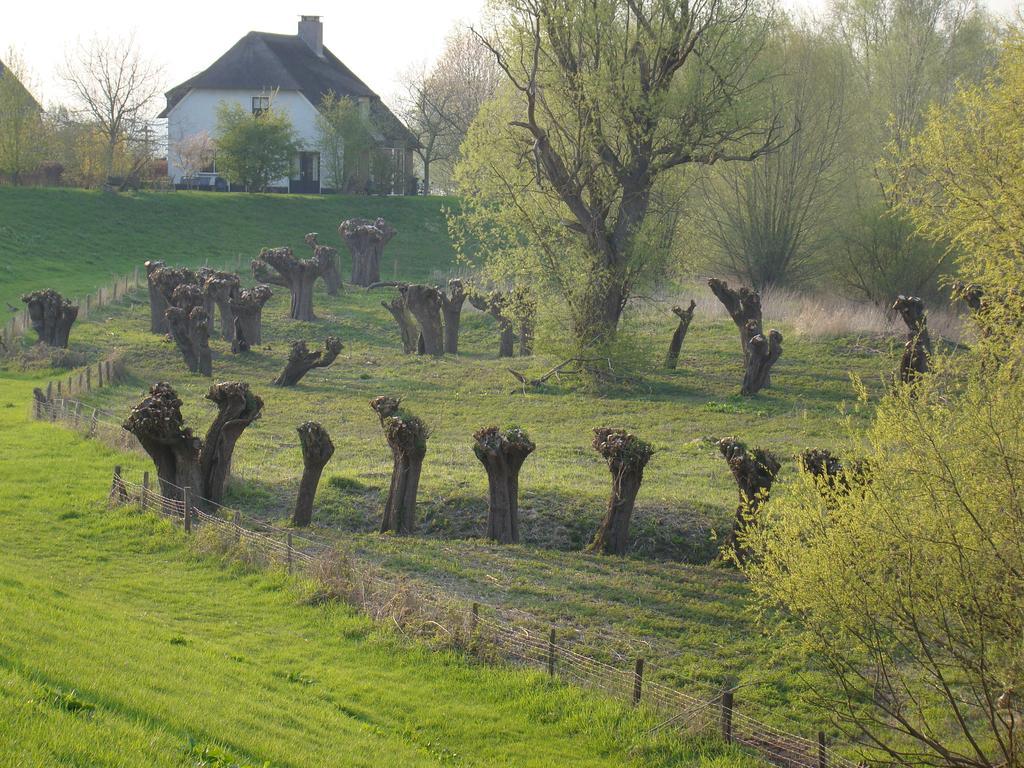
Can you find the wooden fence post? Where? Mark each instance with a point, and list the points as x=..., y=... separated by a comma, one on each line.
x=474, y=617
x=99, y=374
x=60, y=390
x=727, y=704
x=237, y=519
x=88, y=379
x=145, y=488
x=88, y=304
x=118, y=491
x=92, y=424
x=822, y=750
x=551, y=653
x=638, y=680
x=78, y=414
x=186, y=497
x=289, y=551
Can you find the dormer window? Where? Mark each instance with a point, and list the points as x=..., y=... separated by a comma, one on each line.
x=260, y=104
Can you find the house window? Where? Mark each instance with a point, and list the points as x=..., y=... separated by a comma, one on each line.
x=260, y=104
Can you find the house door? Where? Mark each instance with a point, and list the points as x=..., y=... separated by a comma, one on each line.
x=308, y=179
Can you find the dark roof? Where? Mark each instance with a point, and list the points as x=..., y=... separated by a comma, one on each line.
x=263, y=61
x=4, y=72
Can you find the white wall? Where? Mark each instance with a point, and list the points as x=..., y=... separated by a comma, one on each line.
x=197, y=112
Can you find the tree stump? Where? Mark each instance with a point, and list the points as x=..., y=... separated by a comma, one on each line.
x=675, y=346
x=221, y=288
x=280, y=267
x=743, y=306
x=451, y=309
x=51, y=316
x=328, y=257
x=762, y=355
x=918, y=347
x=407, y=436
x=495, y=304
x=525, y=310
x=754, y=472
x=424, y=302
x=502, y=456
x=191, y=335
x=167, y=280
x=406, y=323
x=627, y=455
x=366, y=240
x=157, y=303
x=317, y=450
x=247, y=310
x=301, y=361
x=182, y=460
x=971, y=294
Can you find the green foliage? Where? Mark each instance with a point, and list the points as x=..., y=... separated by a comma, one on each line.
x=345, y=138
x=23, y=142
x=254, y=150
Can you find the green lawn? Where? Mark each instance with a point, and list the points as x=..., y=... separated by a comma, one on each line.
x=120, y=648
x=669, y=601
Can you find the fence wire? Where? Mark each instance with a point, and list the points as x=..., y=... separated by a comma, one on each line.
x=414, y=607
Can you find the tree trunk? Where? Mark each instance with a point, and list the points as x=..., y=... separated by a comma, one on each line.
x=301, y=361
x=317, y=450
x=754, y=472
x=181, y=459
x=676, y=345
x=762, y=355
x=247, y=310
x=167, y=280
x=424, y=302
x=502, y=457
x=627, y=455
x=407, y=436
x=451, y=308
x=328, y=256
x=366, y=240
x=743, y=306
x=221, y=288
x=496, y=303
x=406, y=323
x=157, y=303
x=918, y=347
x=191, y=335
x=51, y=315
x=297, y=275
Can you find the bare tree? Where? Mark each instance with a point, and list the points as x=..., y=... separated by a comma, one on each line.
x=114, y=86
x=193, y=153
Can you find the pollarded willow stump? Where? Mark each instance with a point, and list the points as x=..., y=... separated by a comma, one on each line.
x=317, y=450
x=191, y=334
x=502, y=456
x=826, y=469
x=247, y=310
x=763, y=353
x=328, y=256
x=280, y=267
x=301, y=361
x=676, y=345
x=451, y=309
x=406, y=323
x=627, y=455
x=918, y=347
x=424, y=303
x=157, y=303
x=51, y=316
x=166, y=280
x=407, y=436
x=971, y=294
x=182, y=460
x=524, y=306
x=366, y=240
x=743, y=306
x=496, y=304
x=221, y=288
x=754, y=471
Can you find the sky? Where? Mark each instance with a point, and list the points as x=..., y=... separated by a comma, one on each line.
x=379, y=40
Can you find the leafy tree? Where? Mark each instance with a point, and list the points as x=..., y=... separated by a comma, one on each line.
x=904, y=574
x=769, y=221
x=22, y=136
x=345, y=136
x=566, y=174
x=254, y=149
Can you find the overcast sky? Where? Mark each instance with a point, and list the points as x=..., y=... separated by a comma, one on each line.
x=377, y=39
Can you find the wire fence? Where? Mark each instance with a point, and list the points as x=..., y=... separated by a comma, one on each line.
x=494, y=633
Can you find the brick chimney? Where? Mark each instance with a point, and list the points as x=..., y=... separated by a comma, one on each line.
x=311, y=30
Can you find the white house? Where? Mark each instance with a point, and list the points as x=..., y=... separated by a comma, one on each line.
x=297, y=72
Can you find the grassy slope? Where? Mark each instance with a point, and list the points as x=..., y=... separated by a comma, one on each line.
x=166, y=648
x=692, y=618
x=74, y=240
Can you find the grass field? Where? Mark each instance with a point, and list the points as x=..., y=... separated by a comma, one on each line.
x=668, y=601
x=119, y=647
